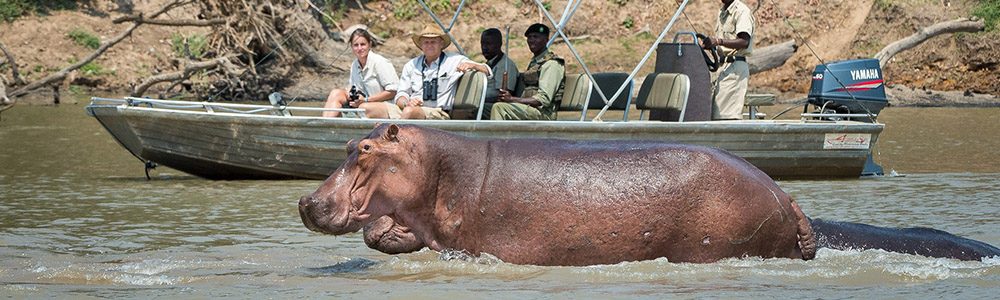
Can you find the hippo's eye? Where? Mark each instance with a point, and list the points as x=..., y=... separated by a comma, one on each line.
x=366, y=147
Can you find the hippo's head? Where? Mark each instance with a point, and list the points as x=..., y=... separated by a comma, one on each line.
x=381, y=175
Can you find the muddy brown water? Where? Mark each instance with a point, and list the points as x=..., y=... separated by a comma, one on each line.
x=78, y=219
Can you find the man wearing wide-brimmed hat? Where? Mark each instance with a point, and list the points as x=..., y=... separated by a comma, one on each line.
x=427, y=84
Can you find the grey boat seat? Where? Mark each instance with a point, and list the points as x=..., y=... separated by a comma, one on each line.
x=664, y=91
x=753, y=101
x=576, y=92
x=469, y=96
x=581, y=94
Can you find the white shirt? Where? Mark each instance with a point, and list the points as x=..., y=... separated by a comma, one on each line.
x=443, y=69
x=378, y=75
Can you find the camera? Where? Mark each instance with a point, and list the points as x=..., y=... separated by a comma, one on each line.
x=430, y=90
x=355, y=93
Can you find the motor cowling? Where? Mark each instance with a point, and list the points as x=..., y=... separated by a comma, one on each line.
x=849, y=87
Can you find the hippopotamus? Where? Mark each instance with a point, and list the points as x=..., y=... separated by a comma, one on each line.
x=558, y=202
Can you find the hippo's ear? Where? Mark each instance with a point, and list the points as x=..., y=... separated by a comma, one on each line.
x=391, y=133
x=352, y=145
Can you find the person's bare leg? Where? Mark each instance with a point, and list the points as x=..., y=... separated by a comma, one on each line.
x=375, y=110
x=413, y=112
x=336, y=99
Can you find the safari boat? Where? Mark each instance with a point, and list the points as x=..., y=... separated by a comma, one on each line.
x=246, y=141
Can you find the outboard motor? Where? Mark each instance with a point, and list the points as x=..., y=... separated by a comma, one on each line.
x=850, y=90
x=848, y=87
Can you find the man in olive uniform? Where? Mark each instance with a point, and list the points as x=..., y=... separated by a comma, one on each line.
x=541, y=83
x=733, y=37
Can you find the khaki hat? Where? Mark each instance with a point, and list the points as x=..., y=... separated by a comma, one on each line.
x=432, y=30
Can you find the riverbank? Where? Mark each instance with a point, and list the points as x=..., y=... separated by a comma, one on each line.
x=957, y=65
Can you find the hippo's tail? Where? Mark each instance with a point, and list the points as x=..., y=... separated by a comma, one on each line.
x=920, y=241
x=807, y=239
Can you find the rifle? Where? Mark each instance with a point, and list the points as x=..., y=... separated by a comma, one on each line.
x=506, y=62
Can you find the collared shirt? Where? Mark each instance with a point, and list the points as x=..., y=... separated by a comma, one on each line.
x=550, y=77
x=445, y=71
x=378, y=75
x=733, y=20
x=499, y=64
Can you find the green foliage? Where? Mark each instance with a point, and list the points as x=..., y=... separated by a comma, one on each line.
x=196, y=45
x=547, y=5
x=628, y=22
x=883, y=4
x=333, y=12
x=989, y=10
x=10, y=10
x=619, y=2
x=94, y=69
x=407, y=9
x=84, y=38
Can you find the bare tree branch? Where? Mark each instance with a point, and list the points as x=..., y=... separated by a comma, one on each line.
x=13, y=65
x=140, y=19
x=61, y=74
x=953, y=26
x=188, y=70
x=770, y=57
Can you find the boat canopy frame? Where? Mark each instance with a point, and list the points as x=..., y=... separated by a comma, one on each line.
x=568, y=11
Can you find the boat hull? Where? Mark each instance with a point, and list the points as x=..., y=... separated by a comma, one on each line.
x=251, y=146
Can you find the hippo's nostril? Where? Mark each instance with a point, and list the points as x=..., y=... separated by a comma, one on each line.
x=305, y=200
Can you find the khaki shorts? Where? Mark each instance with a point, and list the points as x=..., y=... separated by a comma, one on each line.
x=431, y=113
x=392, y=109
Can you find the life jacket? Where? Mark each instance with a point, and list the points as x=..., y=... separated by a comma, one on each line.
x=530, y=78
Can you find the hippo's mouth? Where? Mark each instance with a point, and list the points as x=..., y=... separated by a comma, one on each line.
x=318, y=216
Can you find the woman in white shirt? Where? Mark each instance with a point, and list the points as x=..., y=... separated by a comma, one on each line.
x=372, y=76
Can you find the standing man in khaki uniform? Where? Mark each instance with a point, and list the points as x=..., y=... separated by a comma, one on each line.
x=541, y=83
x=734, y=38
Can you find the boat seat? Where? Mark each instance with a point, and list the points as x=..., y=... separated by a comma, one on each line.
x=664, y=91
x=575, y=92
x=609, y=83
x=469, y=96
x=755, y=100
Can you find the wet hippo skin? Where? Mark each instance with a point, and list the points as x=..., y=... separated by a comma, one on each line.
x=556, y=202
x=553, y=202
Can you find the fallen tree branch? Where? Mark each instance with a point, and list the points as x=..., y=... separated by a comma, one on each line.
x=61, y=74
x=953, y=26
x=771, y=57
x=572, y=39
x=188, y=70
x=13, y=65
x=197, y=23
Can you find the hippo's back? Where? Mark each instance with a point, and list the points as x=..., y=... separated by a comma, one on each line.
x=637, y=200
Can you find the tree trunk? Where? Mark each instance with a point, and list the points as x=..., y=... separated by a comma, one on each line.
x=953, y=26
x=771, y=57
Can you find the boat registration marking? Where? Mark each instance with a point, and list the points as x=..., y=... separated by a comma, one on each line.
x=847, y=141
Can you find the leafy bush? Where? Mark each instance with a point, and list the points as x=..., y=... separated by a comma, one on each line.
x=195, y=45
x=989, y=10
x=10, y=10
x=84, y=38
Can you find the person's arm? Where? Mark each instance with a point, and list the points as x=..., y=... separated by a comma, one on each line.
x=551, y=76
x=512, y=75
x=386, y=75
x=404, y=88
x=468, y=64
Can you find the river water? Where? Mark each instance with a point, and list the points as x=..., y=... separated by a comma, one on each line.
x=78, y=219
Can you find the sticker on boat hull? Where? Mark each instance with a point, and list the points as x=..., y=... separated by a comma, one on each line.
x=847, y=141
